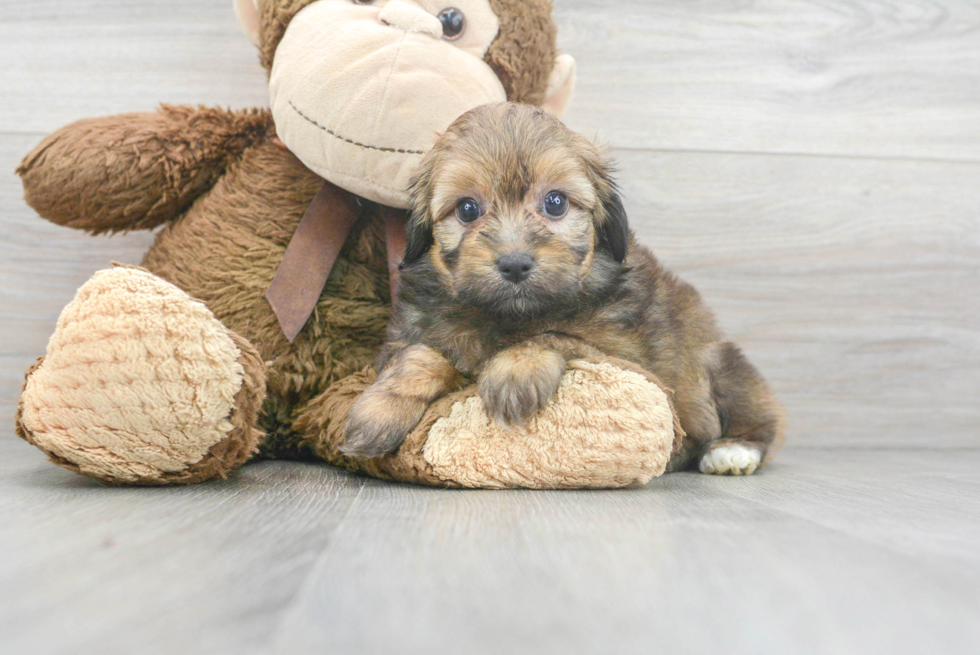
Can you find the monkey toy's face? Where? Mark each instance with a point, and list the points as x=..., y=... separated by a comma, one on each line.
x=517, y=214
x=361, y=89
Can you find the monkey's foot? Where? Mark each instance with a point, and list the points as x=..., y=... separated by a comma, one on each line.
x=610, y=424
x=141, y=384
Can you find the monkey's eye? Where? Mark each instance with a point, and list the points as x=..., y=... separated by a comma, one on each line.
x=453, y=23
x=468, y=210
x=555, y=204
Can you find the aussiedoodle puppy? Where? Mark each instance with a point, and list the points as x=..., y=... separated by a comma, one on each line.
x=520, y=258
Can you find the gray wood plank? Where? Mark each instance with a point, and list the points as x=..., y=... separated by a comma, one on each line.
x=66, y=61
x=847, y=77
x=851, y=283
x=803, y=558
x=824, y=552
x=918, y=504
x=804, y=76
x=87, y=568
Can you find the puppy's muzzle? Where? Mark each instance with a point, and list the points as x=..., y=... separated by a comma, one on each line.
x=515, y=267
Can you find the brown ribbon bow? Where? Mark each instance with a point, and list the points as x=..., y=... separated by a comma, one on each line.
x=313, y=250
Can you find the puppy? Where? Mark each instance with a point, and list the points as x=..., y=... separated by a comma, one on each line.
x=519, y=259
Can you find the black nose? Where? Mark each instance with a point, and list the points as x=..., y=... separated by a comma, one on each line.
x=515, y=268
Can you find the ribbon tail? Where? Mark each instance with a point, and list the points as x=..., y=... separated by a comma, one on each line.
x=310, y=257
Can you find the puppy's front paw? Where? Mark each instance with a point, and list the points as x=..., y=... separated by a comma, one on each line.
x=731, y=459
x=378, y=424
x=519, y=382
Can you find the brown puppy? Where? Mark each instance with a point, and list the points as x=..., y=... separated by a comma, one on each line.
x=519, y=259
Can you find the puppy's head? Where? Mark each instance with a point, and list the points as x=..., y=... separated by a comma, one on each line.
x=516, y=213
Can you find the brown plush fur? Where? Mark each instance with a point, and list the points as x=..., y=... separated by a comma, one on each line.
x=135, y=171
x=231, y=199
x=591, y=289
x=527, y=38
x=267, y=192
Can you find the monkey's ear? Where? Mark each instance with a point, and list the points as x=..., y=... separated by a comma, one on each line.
x=247, y=12
x=419, y=240
x=614, y=232
x=561, y=86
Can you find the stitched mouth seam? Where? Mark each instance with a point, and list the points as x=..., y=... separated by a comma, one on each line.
x=401, y=151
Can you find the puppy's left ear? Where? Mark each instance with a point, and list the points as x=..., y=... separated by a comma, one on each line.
x=611, y=225
x=614, y=231
x=418, y=235
x=419, y=239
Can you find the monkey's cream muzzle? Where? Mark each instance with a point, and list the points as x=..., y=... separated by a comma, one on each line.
x=360, y=94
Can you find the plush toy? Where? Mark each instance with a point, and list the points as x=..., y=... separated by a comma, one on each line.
x=251, y=326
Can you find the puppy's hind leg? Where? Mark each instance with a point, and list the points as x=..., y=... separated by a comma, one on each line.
x=752, y=420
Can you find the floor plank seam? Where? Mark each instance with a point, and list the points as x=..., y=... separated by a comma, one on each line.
x=778, y=153
x=843, y=532
x=310, y=579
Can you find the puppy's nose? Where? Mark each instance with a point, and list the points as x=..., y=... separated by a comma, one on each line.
x=516, y=267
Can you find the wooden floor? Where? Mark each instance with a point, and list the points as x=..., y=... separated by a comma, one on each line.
x=812, y=166
x=826, y=552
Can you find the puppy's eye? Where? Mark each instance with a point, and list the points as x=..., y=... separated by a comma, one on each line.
x=555, y=204
x=453, y=23
x=468, y=210
x=364, y=2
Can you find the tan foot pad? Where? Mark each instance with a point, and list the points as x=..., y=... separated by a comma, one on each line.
x=139, y=385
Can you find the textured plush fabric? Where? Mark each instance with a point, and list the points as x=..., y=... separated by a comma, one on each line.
x=123, y=398
x=517, y=59
x=364, y=126
x=606, y=427
x=610, y=425
x=135, y=171
x=225, y=251
x=226, y=235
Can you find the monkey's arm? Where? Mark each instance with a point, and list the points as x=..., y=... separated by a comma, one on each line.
x=135, y=171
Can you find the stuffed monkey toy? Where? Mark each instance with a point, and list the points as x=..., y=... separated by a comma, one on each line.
x=251, y=325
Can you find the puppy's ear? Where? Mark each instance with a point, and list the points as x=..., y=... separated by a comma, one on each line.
x=419, y=239
x=612, y=226
x=419, y=232
x=614, y=231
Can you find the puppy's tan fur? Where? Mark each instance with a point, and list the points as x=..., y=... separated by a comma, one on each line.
x=593, y=290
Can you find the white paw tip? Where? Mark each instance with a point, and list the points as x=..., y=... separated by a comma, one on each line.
x=731, y=460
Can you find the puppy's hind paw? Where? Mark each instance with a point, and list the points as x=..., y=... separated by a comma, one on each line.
x=732, y=459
